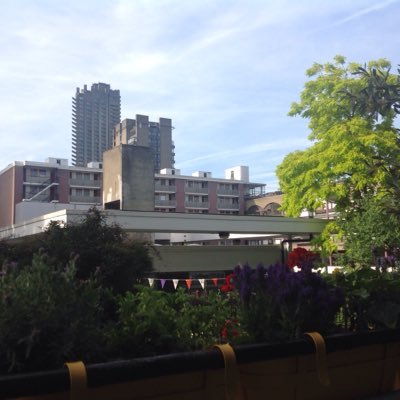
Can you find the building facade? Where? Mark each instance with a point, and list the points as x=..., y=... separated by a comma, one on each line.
x=95, y=113
x=25, y=185
x=156, y=135
x=29, y=188
x=200, y=193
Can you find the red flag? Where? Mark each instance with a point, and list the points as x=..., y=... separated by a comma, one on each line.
x=188, y=283
x=215, y=281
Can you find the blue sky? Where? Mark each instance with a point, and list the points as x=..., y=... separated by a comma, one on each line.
x=225, y=72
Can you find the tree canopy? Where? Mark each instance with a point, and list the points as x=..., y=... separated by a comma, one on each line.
x=94, y=247
x=354, y=153
x=351, y=152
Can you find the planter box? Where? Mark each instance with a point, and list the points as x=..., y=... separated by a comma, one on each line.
x=358, y=365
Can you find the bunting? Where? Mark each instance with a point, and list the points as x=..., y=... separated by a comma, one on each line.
x=187, y=281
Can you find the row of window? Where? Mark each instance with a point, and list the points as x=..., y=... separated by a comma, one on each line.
x=84, y=176
x=37, y=172
x=198, y=185
x=80, y=192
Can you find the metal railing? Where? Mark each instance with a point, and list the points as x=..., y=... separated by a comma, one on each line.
x=85, y=183
x=195, y=190
x=227, y=206
x=228, y=192
x=165, y=203
x=196, y=204
x=164, y=188
x=85, y=199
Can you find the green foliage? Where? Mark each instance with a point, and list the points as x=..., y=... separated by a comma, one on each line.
x=207, y=319
x=369, y=230
x=94, y=246
x=349, y=151
x=372, y=298
x=97, y=248
x=354, y=154
x=47, y=317
x=155, y=322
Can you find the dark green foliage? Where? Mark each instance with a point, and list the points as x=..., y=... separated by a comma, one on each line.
x=94, y=246
x=47, y=317
x=372, y=298
x=154, y=322
x=371, y=230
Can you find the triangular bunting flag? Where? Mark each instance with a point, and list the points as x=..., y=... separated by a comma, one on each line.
x=175, y=282
x=215, y=281
x=188, y=283
x=202, y=283
x=163, y=283
x=151, y=281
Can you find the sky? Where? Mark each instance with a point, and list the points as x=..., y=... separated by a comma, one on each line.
x=225, y=71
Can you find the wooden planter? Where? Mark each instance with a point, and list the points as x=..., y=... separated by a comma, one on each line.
x=353, y=366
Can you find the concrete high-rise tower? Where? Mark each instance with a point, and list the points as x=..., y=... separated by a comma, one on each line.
x=95, y=113
x=156, y=135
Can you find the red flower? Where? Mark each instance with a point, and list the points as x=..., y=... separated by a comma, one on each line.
x=300, y=256
x=228, y=330
x=228, y=285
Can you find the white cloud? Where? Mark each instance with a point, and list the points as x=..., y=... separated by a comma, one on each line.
x=226, y=72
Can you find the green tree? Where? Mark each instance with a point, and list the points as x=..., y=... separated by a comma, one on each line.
x=354, y=152
x=346, y=158
x=97, y=248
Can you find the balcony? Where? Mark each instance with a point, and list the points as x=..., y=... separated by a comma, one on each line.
x=165, y=188
x=196, y=190
x=85, y=183
x=85, y=199
x=227, y=192
x=196, y=204
x=40, y=180
x=165, y=203
x=227, y=206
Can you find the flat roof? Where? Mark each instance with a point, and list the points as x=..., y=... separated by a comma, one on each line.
x=142, y=221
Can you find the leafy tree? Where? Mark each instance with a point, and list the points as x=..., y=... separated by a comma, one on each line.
x=97, y=248
x=370, y=231
x=355, y=147
x=350, y=154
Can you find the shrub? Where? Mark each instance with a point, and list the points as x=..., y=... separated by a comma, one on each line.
x=280, y=304
x=47, y=317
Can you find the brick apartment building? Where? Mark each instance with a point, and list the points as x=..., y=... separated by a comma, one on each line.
x=52, y=182
x=29, y=189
